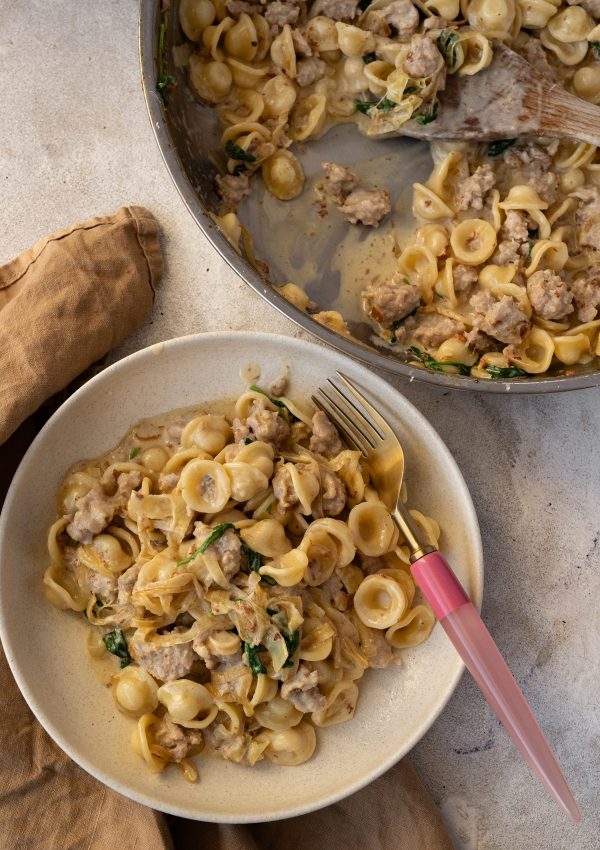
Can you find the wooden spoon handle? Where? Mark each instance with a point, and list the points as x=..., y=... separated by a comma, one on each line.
x=566, y=115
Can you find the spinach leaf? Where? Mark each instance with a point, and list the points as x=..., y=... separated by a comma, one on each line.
x=499, y=373
x=254, y=662
x=163, y=84
x=134, y=452
x=595, y=46
x=437, y=365
x=363, y=106
x=218, y=532
x=116, y=644
x=277, y=402
x=292, y=642
x=268, y=579
x=427, y=117
x=253, y=558
x=368, y=58
x=255, y=563
x=499, y=146
x=163, y=81
x=447, y=41
x=239, y=169
x=234, y=151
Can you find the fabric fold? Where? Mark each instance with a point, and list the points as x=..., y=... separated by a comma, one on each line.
x=68, y=300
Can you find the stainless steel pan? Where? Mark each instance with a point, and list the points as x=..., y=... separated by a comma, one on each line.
x=189, y=139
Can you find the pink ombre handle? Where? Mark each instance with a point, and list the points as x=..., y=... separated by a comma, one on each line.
x=476, y=647
x=439, y=585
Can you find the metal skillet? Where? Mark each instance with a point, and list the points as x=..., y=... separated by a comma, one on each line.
x=188, y=137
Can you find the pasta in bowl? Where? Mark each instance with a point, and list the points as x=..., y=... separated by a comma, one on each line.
x=210, y=619
x=520, y=211
x=243, y=572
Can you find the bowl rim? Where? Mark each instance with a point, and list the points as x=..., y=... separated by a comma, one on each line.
x=105, y=376
x=149, y=11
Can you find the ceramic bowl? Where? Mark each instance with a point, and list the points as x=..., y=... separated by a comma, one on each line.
x=45, y=647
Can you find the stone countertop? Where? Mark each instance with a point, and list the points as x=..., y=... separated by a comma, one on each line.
x=75, y=141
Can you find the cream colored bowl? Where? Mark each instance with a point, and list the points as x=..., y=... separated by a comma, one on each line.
x=45, y=647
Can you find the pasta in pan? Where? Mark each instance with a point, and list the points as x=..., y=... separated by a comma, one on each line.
x=241, y=583
x=281, y=73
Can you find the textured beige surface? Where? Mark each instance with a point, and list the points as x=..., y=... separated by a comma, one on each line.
x=75, y=141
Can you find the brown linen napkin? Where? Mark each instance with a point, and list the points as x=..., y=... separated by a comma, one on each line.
x=68, y=300
x=47, y=802
x=392, y=813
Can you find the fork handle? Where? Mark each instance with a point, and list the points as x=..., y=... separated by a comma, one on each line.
x=476, y=647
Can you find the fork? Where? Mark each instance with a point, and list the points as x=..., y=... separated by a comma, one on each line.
x=365, y=430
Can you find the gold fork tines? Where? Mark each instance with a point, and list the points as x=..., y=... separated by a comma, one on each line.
x=364, y=429
x=336, y=406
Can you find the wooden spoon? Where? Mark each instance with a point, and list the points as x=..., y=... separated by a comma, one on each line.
x=508, y=99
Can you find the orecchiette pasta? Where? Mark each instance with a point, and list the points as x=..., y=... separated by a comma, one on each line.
x=212, y=81
x=427, y=205
x=341, y=703
x=491, y=15
x=283, y=53
x=243, y=573
x=412, y=629
x=267, y=537
x=208, y=432
x=473, y=241
x=380, y=601
x=288, y=569
x=135, y=691
x=278, y=714
x=246, y=481
x=291, y=746
x=283, y=175
x=354, y=41
x=279, y=97
x=195, y=16
x=205, y=486
x=537, y=13
x=373, y=530
x=308, y=117
x=185, y=700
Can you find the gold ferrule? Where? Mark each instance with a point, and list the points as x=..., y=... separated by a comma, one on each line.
x=411, y=534
x=424, y=550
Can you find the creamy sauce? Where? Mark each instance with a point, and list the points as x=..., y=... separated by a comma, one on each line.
x=104, y=667
x=250, y=373
x=330, y=259
x=361, y=258
x=149, y=433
